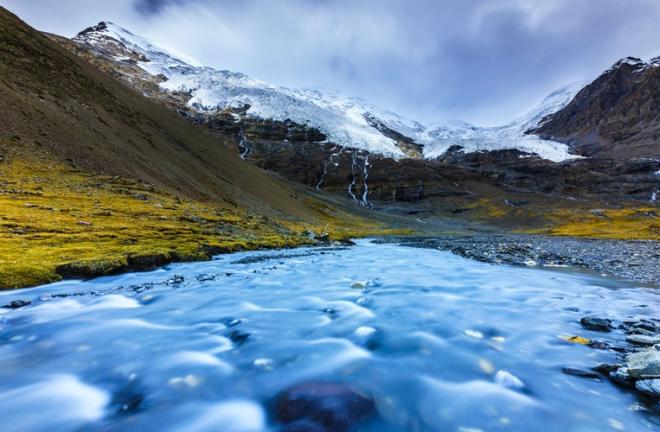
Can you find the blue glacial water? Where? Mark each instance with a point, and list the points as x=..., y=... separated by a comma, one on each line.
x=436, y=341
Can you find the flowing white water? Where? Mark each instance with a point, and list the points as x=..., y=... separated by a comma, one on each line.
x=439, y=342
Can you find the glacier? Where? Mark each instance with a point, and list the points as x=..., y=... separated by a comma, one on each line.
x=342, y=119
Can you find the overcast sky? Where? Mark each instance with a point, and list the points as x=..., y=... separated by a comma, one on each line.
x=483, y=61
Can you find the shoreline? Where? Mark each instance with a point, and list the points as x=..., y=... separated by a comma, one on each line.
x=527, y=250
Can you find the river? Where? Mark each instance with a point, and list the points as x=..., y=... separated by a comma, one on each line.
x=433, y=342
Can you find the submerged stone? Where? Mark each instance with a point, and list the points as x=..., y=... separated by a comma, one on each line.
x=313, y=406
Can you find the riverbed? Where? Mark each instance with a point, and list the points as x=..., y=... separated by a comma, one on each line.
x=425, y=339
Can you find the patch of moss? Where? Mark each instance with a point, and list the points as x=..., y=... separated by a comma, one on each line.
x=640, y=223
x=563, y=218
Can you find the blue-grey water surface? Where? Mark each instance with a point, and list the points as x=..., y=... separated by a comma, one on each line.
x=438, y=342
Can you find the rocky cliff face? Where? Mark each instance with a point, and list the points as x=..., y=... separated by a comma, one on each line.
x=616, y=116
x=372, y=180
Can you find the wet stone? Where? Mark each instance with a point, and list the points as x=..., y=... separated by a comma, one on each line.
x=582, y=373
x=605, y=368
x=205, y=277
x=644, y=364
x=237, y=337
x=643, y=339
x=596, y=324
x=321, y=406
x=650, y=387
x=599, y=345
x=17, y=304
x=622, y=377
x=647, y=325
x=175, y=280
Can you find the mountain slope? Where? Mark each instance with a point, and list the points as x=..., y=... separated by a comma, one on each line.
x=95, y=178
x=616, y=116
x=63, y=104
x=349, y=122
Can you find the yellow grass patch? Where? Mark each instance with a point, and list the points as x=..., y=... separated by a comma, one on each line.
x=56, y=220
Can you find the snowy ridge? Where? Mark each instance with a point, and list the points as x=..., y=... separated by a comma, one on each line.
x=512, y=136
x=635, y=62
x=341, y=119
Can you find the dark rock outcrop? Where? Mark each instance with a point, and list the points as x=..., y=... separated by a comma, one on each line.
x=616, y=116
x=335, y=169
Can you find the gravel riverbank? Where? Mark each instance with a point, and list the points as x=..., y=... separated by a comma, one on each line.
x=632, y=260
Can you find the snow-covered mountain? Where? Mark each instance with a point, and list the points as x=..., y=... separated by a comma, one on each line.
x=344, y=120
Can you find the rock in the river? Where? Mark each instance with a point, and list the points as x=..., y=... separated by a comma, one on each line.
x=237, y=336
x=175, y=280
x=321, y=406
x=596, y=324
x=622, y=377
x=643, y=339
x=644, y=364
x=129, y=399
x=17, y=304
x=650, y=387
x=580, y=372
x=606, y=368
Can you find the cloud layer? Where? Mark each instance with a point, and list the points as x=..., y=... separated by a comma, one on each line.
x=480, y=60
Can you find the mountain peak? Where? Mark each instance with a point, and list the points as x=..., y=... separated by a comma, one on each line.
x=634, y=62
x=101, y=27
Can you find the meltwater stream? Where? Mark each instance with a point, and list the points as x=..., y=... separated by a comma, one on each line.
x=436, y=342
